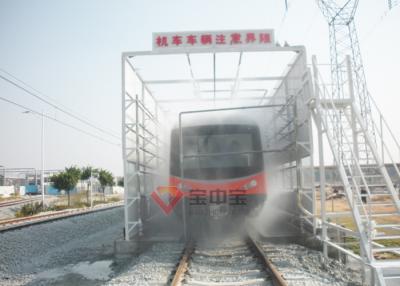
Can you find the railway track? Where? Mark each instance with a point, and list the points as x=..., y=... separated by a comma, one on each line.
x=233, y=263
x=18, y=202
x=17, y=223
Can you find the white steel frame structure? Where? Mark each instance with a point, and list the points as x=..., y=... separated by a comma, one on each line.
x=142, y=127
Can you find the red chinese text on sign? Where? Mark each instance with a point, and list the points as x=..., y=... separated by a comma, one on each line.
x=265, y=38
x=206, y=39
x=236, y=38
x=177, y=40
x=191, y=39
x=162, y=41
x=220, y=39
x=250, y=37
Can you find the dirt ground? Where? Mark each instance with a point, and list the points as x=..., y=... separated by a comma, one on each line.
x=341, y=205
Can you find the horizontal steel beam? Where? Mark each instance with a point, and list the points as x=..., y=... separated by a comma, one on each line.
x=296, y=49
x=230, y=108
x=230, y=90
x=210, y=99
x=211, y=80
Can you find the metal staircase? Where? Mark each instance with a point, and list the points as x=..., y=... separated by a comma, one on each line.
x=370, y=191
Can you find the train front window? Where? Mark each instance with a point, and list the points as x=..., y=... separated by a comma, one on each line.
x=218, y=152
x=210, y=149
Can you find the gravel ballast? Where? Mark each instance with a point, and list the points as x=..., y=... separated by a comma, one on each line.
x=302, y=266
x=79, y=251
x=152, y=267
x=31, y=250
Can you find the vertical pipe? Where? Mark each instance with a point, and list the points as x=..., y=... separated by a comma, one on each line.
x=314, y=198
x=321, y=161
x=353, y=118
x=299, y=165
x=157, y=128
x=143, y=210
x=182, y=177
x=299, y=174
x=157, y=180
x=124, y=159
x=137, y=167
x=214, y=69
x=382, y=141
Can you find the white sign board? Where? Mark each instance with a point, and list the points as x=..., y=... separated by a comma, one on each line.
x=213, y=40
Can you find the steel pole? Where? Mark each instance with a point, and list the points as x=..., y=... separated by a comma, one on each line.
x=42, y=155
x=322, y=178
x=91, y=189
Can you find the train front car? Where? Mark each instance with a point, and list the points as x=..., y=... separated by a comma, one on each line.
x=223, y=170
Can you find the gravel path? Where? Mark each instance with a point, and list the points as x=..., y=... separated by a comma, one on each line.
x=27, y=252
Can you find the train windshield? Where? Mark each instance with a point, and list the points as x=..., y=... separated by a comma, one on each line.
x=217, y=152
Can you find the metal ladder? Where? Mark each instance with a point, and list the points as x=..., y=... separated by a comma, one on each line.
x=365, y=178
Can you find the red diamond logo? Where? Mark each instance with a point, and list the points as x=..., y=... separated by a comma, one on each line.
x=174, y=196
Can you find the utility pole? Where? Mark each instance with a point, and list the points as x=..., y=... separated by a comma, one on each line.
x=3, y=176
x=91, y=189
x=42, y=153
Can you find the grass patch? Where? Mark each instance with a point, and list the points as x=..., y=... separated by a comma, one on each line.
x=78, y=201
x=113, y=200
x=389, y=242
x=9, y=198
x=29, y=210
x=352, y=244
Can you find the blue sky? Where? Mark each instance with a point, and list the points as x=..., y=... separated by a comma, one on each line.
x=70, y=51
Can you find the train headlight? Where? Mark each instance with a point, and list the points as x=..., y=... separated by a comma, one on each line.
x=250, y=185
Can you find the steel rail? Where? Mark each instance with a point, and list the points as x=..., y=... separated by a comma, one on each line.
x=270, y=267
x=18, y=223
x=18, y=202
x=183, y=266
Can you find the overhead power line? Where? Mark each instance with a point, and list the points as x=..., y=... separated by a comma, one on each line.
x=79, y=118
x=58, y=121
x=40, y=93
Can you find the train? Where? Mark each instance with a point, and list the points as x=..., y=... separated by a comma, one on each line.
x=222, y=175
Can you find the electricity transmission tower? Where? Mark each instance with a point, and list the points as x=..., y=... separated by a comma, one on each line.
x=343, y=41
x=393, y=3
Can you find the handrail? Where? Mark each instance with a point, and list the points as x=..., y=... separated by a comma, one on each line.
x=384, y=121
x=351, y=152
x=356, y=193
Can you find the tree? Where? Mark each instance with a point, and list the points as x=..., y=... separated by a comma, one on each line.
x=121, y=182
x=86, y=173
x=65, y=181
x=106, y=179
x=75, y=172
